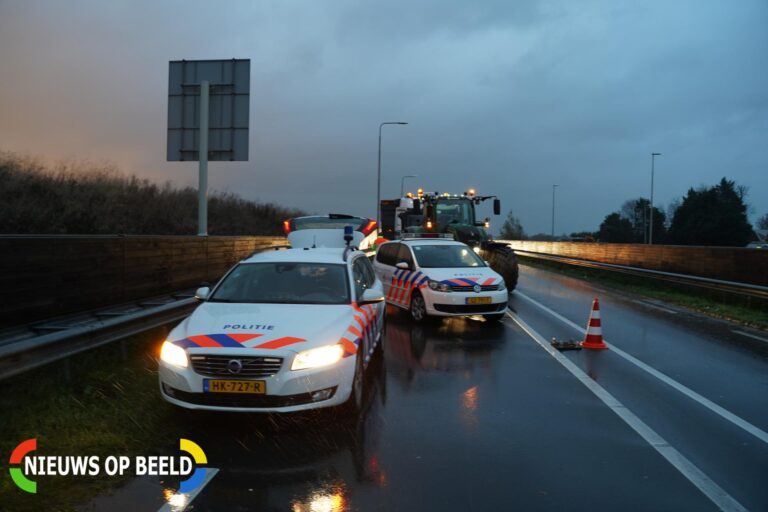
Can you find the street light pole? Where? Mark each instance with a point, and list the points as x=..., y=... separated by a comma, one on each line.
x=402, y=183
x=378, y=184
x=553, y=212
x=650, y=215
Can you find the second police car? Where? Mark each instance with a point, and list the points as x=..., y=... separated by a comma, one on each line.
x=362, y=225
x=284, y=330
x=437, y=276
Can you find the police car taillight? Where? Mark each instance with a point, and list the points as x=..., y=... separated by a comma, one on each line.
x=287, y=227
x=369, y=227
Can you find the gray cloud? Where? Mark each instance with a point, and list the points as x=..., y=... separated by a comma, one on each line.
x=509, y=97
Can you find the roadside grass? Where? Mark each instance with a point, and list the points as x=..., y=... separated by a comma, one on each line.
x=753, y=313
x=111, y=406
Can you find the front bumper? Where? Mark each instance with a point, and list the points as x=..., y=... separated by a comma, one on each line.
x=286, y=391
x=455, y=303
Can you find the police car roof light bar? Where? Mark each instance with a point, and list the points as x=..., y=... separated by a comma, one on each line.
x=438, y=236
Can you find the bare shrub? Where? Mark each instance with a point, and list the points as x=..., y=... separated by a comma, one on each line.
x=87, y=198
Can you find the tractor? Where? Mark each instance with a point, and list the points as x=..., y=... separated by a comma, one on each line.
x=452, y=214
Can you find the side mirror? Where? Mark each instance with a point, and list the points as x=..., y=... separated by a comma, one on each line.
x=497, y=206
x=202, y=293
x=417, y=206
x=372, y=295
x=403, y=265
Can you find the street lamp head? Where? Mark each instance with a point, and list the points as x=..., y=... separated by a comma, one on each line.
x=401, y=122
x=655, y=154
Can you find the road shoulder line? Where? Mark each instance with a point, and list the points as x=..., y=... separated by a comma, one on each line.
x=753, y=336
x=698, y=478
x=709, y=404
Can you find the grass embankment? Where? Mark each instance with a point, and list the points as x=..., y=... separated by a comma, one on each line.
x=751, y=312
x=110, y=407
x=87, y=198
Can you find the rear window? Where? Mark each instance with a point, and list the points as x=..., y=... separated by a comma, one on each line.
x=357, y=223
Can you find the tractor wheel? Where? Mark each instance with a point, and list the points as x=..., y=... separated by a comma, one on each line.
x=503, y=260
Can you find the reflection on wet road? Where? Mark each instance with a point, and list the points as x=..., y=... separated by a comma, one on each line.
x=459, y=415
x=469, y=415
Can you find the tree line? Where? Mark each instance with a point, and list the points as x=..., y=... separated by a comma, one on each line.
x=87, y=199
x=715, y=216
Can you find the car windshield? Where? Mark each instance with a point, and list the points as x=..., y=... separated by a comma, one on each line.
x=446, y=256
x=285, y=283
x=453, y=211
x=329, y=222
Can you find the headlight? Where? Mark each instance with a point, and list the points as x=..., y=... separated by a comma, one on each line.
x=174, y=354
x=438, y=286
x=317, y=357
x=502, y=285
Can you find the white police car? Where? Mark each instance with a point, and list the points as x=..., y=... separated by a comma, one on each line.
x=284, y=330
x=439, y=277
x=363, y=225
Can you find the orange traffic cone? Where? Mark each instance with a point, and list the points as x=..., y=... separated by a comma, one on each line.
x=594, y=337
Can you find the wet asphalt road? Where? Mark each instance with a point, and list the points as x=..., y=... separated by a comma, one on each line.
x=466, y=415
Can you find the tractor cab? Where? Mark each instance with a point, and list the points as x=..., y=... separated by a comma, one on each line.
x=448, y=211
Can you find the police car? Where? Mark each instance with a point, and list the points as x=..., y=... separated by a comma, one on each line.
x=437, y=276
x=282, y=331
x=362, y=225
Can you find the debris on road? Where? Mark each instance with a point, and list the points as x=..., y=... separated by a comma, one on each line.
x=565, y=345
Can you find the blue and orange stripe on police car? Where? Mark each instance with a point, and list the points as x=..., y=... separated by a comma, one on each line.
x=364, y=318
x=237, y=340
x=468, y=281
x=403, y=284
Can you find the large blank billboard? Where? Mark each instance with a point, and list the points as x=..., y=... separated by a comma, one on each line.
x=230, y=82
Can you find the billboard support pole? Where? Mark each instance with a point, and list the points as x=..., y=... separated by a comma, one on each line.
x=202, y=193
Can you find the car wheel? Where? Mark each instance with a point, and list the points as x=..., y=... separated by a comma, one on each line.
x=418, y=307
x=382, y=333
x=355, y=401
x=494, y=318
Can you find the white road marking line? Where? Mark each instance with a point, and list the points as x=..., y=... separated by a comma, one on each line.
x=180, y=507
x=750, y=335
x=655, y=306
x=712, y=406
x=698, y=478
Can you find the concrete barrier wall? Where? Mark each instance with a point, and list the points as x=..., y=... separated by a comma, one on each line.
x=727, y=263
x=43, y=277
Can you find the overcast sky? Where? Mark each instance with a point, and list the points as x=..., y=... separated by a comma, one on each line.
x=509, y=97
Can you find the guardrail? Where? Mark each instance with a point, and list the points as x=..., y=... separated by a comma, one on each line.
x=732, y=264
x=719, y=285
x=29, y=346
x=23, y=349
